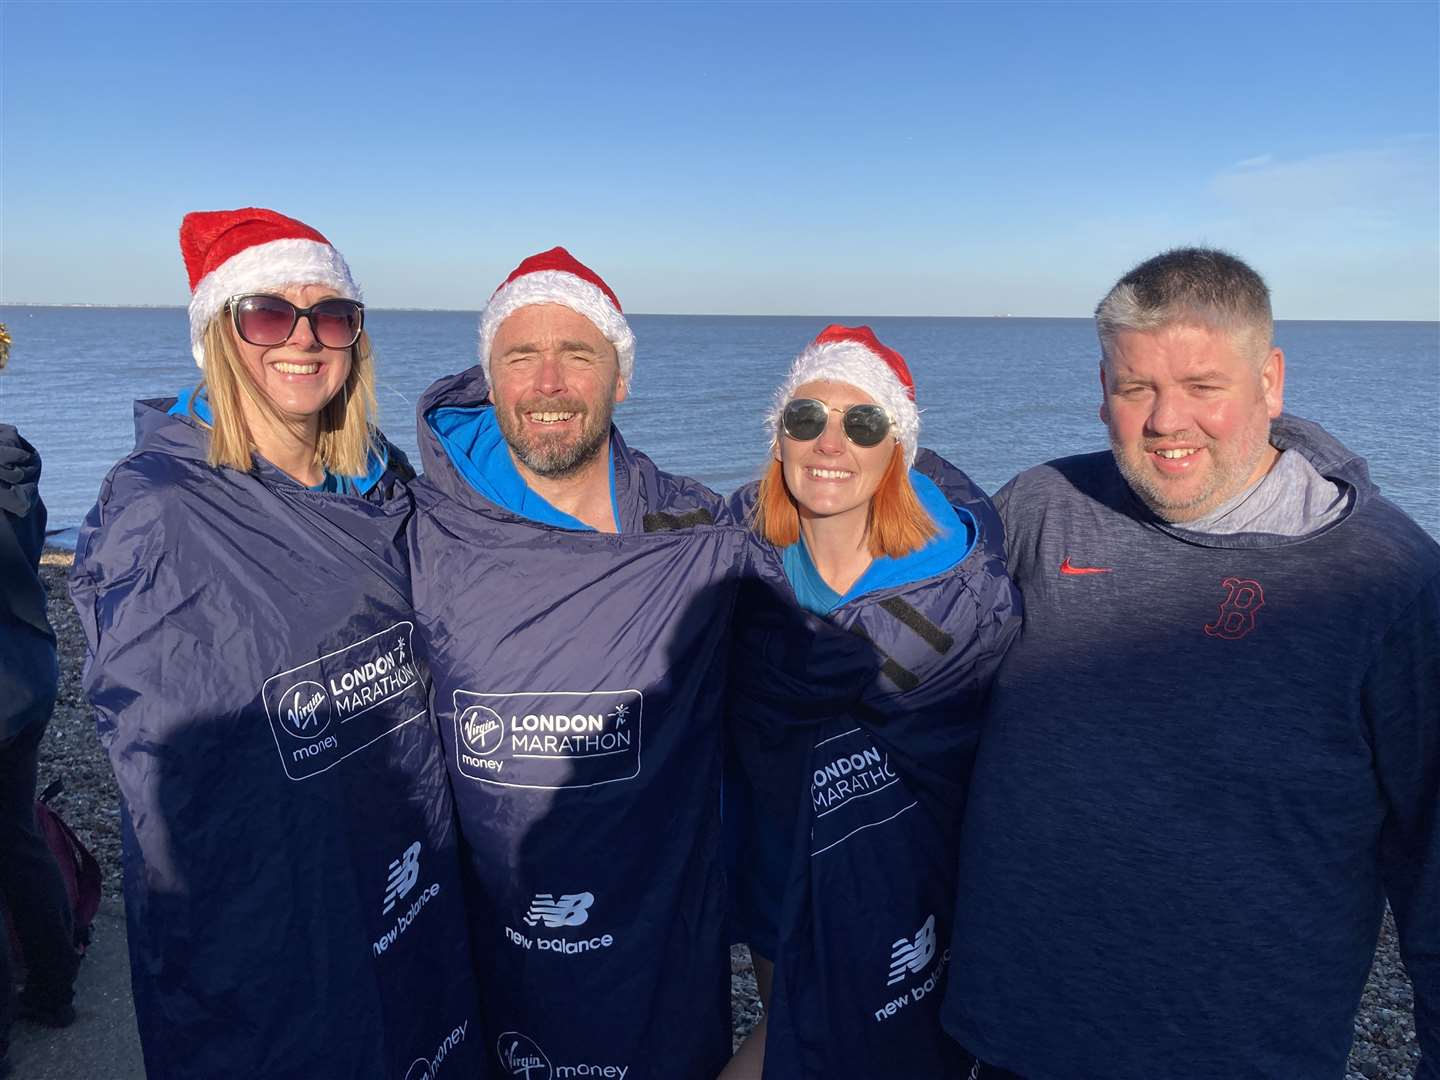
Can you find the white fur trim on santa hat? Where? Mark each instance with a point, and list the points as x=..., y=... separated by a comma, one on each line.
x=266, y=268
x=852, y=363
x=558, y=287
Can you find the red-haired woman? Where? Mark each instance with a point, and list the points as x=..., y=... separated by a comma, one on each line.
x=845, y=891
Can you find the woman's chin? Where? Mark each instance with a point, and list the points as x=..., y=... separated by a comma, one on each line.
x=825, y=509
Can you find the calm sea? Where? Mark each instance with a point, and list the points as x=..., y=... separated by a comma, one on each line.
x=997, y=395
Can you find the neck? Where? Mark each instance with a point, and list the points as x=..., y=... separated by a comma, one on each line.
x=837, y=546
x=584, y=494
x=291, y=448
x=1267, y=461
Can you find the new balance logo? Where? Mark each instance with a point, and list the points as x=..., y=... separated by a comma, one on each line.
x=907, y=955
x=404, y=872
x=570, y=909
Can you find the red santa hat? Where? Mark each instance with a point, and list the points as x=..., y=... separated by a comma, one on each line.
x=854, y=355
x=232, y=252
x=557, y=277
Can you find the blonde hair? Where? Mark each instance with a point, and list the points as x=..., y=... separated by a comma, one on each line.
x=897, y=524
x=346, y=437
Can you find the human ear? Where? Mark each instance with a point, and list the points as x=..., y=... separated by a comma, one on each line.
x=1272, y=380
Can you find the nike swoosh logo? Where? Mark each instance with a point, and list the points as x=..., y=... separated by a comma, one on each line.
x=1066, y=568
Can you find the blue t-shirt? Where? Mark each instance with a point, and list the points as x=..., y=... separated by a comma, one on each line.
x=811, y=592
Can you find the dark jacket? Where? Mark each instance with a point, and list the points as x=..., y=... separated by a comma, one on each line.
x=870, y=796
x=28, y=671
x=292, y=883
x=578, y=687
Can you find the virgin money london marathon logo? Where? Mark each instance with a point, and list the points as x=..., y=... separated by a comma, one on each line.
x=549, y=739
x=327, y=709
x=521, y=1056
x=428, y=1068
x=549, y=914
x=909, y=957
x=404, y=875
x=852, y=788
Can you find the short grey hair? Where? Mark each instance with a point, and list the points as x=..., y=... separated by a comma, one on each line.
x=1195, y=286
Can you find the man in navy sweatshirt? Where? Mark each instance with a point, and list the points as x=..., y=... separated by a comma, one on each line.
x=1215, y=751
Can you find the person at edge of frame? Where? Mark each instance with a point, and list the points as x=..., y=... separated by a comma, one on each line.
x=292, y=879
x=32, y=890
x=1215, y=751
x=850, y=820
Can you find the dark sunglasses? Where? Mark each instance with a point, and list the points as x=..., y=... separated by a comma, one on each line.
x=805, y=418
x=262, y=319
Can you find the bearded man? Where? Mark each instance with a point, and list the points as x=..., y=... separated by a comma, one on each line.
x=1215, y=750
x=575, y=615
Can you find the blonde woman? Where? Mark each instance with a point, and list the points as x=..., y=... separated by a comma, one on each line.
x=291, y=877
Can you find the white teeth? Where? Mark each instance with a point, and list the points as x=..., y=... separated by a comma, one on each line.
x=297, y=369
x=829, y=474
x=550, y=417
x=1172, y=454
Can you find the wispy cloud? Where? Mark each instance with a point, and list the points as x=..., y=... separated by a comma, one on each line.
x=1254, y=162
x=1392, y=183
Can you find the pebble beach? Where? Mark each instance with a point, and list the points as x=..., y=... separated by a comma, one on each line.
x=1384, y=1047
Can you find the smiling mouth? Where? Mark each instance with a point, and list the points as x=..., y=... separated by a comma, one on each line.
x=829, y=474
x=1176, y=455
x=286, y=368
x=549, y=417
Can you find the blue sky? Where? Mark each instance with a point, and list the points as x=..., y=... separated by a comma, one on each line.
x=846, y=159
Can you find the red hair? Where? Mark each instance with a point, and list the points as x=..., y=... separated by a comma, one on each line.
x=897, y=524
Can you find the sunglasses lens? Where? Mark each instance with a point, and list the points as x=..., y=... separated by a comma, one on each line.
x=264, y=320
x=804, y=419
x=337, y=323
x=866, y=425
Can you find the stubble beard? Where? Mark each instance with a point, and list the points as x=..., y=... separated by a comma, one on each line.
x=1230, y=472
x=553, y=457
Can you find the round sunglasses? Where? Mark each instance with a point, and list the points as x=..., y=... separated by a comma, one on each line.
x=265, y=320
x=864, y=425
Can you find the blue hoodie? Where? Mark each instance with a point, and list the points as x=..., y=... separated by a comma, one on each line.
x=849, y=841
x=579, y=690
x=292, y=880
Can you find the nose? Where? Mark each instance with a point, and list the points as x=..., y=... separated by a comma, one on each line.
x=832, y=439
x=550, y=375
x=303, y=336
x=1167, y=413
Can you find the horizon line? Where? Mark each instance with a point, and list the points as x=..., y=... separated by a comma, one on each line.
x=687, y=314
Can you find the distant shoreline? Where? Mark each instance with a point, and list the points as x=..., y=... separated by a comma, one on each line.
x=698, y=315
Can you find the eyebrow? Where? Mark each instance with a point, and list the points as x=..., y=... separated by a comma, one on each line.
x=564, y=346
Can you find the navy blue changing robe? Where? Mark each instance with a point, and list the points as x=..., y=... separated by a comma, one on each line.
x=579, y=681
x=292, y=881
x=864, y=802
